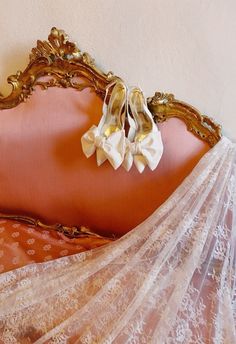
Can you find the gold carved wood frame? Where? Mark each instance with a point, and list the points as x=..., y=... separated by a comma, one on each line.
x=65, y=66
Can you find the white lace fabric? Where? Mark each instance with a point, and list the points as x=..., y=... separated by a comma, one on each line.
x=169, y=280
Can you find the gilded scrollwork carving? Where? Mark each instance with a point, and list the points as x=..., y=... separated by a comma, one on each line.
x=164, y=106
x=70, y=232
x=58, y=46
x=63, y=61
x=161, y=98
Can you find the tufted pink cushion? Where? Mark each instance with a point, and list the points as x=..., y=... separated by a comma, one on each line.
x=43, y=172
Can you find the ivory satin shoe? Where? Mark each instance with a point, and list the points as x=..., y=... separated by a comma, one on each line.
x=108, y=138
x=144, y=145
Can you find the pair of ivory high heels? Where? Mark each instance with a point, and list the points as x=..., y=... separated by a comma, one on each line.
x=142, y=146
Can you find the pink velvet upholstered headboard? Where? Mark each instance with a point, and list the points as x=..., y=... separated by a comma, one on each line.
x=43, y=172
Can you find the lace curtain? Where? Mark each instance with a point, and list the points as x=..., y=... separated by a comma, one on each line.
x=169, y=280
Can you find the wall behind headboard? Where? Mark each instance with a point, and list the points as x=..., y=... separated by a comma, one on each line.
x=184, y=47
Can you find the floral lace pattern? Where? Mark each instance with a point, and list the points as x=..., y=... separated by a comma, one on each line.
x=171, y=280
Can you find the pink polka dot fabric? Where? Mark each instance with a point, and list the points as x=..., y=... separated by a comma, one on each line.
x=22, y=244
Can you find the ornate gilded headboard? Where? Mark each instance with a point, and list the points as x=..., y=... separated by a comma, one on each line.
x=60, y=63
x=63, y=60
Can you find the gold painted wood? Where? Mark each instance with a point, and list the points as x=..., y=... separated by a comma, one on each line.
x=70, y=232
x=164, y=106
x=63, y=62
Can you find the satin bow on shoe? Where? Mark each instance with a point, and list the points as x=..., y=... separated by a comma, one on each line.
x=147, y=152
x=111, y=148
